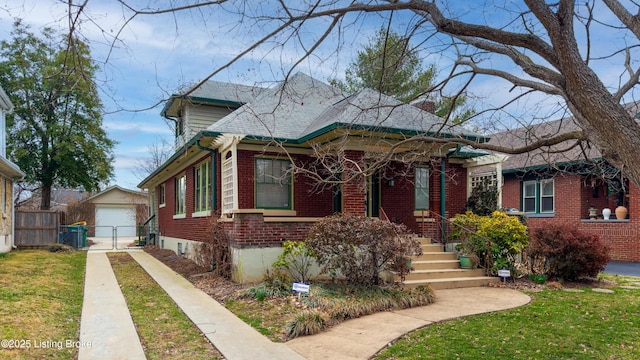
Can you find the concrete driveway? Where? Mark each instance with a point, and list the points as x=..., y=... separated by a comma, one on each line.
x=623, y=268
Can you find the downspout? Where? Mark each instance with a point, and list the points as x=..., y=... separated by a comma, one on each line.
x=214, y=188
x=13, y=213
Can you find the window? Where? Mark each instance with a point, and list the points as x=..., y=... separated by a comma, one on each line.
x=181, y=194
x=538, y=196
x=273, y=184
x=161, y=196
x=546, y=196
x=202, y=186
x=529, y=196
x=227, y=183
x=422, y=188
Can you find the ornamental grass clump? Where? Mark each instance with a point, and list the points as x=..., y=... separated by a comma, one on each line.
x=329, y=304
x=360, y=248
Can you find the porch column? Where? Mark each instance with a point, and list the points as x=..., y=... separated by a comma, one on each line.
x=353, y=191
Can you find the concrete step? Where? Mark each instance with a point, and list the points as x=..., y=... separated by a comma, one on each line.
x=424, y=240
x=452, y=283
x=437, y=255
x=435, y=264
x=432, y=247
x=442, y=274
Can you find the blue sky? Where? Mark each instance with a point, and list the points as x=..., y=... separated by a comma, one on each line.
x=157, y=56
x=160, y=54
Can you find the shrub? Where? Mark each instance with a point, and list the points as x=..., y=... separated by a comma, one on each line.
x=360, y=247
x=567, y=253
x=296, y=259
x=60, y=248
x=506, y=235
x=483, y=199
x=214, y=252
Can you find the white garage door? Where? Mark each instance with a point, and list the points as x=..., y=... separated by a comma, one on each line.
x=121, y=217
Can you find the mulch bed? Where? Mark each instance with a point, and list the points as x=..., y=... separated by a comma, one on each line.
x=222, y=289
x=218, y=288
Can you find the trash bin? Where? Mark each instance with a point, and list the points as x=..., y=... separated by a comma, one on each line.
x=82, y=241
x=72, y=236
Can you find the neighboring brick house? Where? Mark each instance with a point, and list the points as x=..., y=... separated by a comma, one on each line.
x=237, y=170
x=560, y=187
x=9, y=173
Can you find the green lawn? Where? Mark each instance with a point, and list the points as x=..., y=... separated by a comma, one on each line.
x=556, y=325
x=41, y=303
x=164, y=330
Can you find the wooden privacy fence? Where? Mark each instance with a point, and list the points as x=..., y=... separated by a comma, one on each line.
x=35, y=228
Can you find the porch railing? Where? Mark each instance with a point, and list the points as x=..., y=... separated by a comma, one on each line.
x=442, y=230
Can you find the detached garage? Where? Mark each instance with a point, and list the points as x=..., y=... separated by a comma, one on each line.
x=118, y=208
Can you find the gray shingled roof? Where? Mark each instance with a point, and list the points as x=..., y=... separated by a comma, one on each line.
x=543, y=156
x=282, y=112
x=303, y=107
x=214, y=91
x=226, y=92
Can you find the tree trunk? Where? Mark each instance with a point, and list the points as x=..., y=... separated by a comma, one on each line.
x=45, y=203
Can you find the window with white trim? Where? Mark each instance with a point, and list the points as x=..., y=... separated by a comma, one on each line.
x=202, y=186
x=227, y=183
x=161, y=195
x=181, y=194
x=421, y=188
x=272, y=184
x=538, y=196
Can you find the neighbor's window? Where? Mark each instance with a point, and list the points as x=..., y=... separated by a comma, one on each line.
x=422, y=188
x=546, y=196
x=202, y=186
x=273, y=184
x=538, y=196
x=181, y=194
x=161, y=195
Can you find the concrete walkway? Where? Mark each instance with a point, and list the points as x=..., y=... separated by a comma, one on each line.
x=106, y=322
x=363, y=337
x=234, y=338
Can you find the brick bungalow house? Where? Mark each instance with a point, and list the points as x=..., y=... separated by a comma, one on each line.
x=560, y=187
x=9, y=172
x=250, y=158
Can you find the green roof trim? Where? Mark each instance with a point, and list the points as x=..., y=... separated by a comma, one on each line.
x=372, y=128
x=547, y=166
x=178, y=153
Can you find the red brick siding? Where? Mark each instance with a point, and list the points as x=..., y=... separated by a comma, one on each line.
x=398, y=201
x=573, y=196
x=189, y=228
x=250, y=230
x=353, y=192
x=308, y=199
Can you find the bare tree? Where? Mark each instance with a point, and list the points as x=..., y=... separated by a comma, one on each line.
x=543, y=52
x=159, y=152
